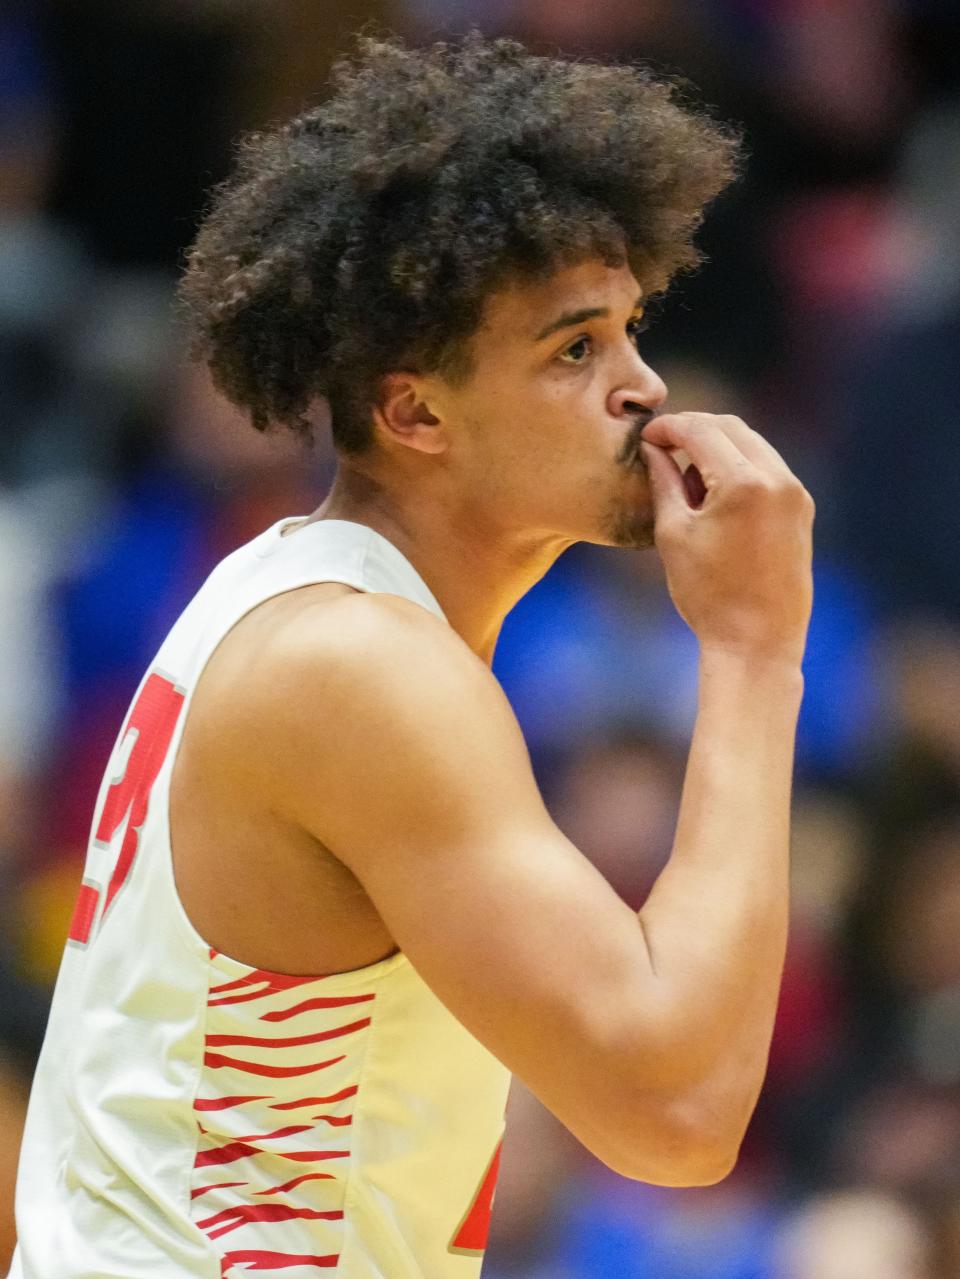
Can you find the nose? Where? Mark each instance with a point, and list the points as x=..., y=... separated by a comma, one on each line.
x=645, y=389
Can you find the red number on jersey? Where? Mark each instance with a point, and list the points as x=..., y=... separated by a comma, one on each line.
x=152, y=721
x=472, y=1233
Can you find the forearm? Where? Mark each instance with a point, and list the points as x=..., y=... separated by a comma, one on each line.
x=715, y=923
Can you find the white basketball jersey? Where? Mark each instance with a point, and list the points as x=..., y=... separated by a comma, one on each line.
x=193, y=1116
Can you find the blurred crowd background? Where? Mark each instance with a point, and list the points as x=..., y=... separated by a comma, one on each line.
x=828, y=316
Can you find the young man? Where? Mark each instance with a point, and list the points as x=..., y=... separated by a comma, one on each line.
x=325, y=913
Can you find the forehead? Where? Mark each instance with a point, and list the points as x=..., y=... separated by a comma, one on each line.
x=519, y=309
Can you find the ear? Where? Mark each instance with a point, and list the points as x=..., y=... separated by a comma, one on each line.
x=402, y=414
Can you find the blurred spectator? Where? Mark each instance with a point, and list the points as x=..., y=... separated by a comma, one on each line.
x=28, y=668
x=43, y=270
x=608, y=1226
x=29, y=707
x=539, y=1159
x=617, y=800
x=895, y=486
x=849, y=1235
x=947, y=1238
x=806, y=1090
x=911, y=798
x=903, y=1139
x=597, y=642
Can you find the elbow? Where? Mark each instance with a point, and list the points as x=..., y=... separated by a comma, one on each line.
x=700, y=1164
x=695, y=1164
x=682, y=1143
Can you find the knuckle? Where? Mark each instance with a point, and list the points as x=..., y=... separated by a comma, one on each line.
x=795, y=493
x=752, y=484
x=737, y=423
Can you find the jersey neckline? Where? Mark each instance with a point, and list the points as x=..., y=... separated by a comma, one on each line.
x=364, y=538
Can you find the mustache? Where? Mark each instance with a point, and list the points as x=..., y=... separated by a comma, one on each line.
x=630, y=448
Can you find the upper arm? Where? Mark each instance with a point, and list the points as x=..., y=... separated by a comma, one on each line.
x=399, y=752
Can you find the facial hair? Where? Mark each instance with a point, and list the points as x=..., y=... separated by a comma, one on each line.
x=625, y=524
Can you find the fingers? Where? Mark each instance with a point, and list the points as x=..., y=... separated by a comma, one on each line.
x=711, y=451
x=751, y=443
x=714, y=443
x=666, y=482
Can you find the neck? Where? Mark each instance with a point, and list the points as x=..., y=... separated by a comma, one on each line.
x=476, y=571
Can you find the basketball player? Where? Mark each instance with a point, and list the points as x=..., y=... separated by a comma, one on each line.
x=324, y=913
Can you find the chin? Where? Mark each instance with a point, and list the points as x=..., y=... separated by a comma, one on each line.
x=630, y=529
x=623, y=518
x=632, y=532
x=629, y=524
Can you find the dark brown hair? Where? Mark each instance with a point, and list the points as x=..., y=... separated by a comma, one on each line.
x=365, y=234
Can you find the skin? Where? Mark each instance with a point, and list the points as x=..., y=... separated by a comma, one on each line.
x=352, y=781
x=537, y=451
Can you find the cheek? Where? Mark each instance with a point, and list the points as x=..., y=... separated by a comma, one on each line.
x=541, y=432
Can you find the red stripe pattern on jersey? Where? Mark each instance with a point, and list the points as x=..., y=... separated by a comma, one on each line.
x=274, y=1215
x=247, y=1259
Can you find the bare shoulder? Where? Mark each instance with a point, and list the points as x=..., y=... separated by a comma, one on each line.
x=356, y=649
x=333, y=682
x=328, y=637
x=377, y=628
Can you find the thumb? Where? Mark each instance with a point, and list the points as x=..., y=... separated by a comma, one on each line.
x=666, y=482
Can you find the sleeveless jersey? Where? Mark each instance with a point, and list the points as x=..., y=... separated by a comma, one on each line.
x=193, y=1116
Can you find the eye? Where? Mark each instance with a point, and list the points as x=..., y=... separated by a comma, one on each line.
x=578, y=352
x=569, y=356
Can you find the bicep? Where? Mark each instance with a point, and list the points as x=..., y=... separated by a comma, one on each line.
x=420, y=782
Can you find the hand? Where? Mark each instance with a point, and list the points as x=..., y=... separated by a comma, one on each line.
x=739, y=565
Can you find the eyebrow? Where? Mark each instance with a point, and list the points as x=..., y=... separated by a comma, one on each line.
x=572, y=318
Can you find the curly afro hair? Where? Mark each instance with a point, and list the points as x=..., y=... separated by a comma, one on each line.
x=366, y=234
